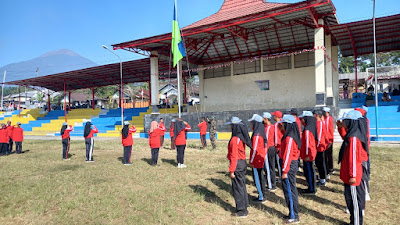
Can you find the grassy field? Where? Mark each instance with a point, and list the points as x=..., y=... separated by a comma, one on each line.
x=37, y=187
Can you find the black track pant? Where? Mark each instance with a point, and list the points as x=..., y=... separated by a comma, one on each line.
x=10, y=145
x=259, y=181
x=309, y=173
x=290, y=190
x=173, y=143
x=18, y=147
x=270, y=168
x=239, y=186
x=89, y=148
x=355, y=198
x=127, y=154
x=65, y=144
x=3, y=148
x=320, y=162
x=180, y=153
x=365, y=180
x=329, y=158
x=154, y=156
x=203, y=140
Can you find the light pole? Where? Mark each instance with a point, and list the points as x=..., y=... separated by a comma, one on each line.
x=121, y=93
x=376, y=77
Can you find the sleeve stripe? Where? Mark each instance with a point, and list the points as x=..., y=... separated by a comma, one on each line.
x=320, y=134
x=276, y=134
x=307, y=134
x=354, y=156
x=254, y=150
x=287, y=154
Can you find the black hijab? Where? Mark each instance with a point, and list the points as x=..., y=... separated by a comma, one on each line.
x=179, y=126
x=355, y=128
x=240, y=130
x=292, y=130
x=259, y=129
x=125, y=131
x=311, y=125
x=63, y=128
x=88, y=128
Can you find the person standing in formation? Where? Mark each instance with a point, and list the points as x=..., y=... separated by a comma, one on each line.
x=10, y=137
x=321, y=146
x=162, y=128
x=88, y=134
x=65, y=140
x=203, y=132
x=18, y=135
x=3, y=139
x=278, y=137
x=213, y=131
x=289, y=155
x=329, y=136
x=180, y=129
x=238, y=166
x=257, y=156
x=270, y=151
x=308, y=150
x=127, y=141
x=171, y=134
x=154, y=141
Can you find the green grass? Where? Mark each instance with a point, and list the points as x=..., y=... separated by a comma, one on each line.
x=37, y=187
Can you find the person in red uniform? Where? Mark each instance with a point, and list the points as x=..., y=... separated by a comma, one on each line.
x=330, y=136
x=308, y=150
x=289, y=155
x=127, y=141
x=10, y=138
x=162, y=128
x=3, y=139
x=321, y=146
x=65, y=140
x=203, y=132
x=154, y=141
x=88, y=134
x=18, y=135
x=171, y=134
x=257, y=156
x=294, y=113
x=350, y=159
x=180, y=129
x=270, y=151
x=278, y=137
x=238, y=166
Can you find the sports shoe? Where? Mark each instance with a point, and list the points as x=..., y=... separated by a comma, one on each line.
x=331, y=172
x=183, y=166
x=347, y=211
x=127, y=164
x=242, y=214
x=328, y=177
x=319, y=184
x=308, y=192
x=293, y=221
x=272, y=190
x=91, y=161
x=367, y=197
x=66, y=159
x=179, y=165
x=258, y=201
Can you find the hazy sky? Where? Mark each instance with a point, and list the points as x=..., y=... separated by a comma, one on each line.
x=31, y=28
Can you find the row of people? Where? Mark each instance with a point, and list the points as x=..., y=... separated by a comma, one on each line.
x=291, y=138
x=8, y=135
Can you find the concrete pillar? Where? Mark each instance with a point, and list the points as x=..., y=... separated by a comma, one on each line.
x=201, y=89
x=180, y=81
x=154, y=82
x=320, y=93
x=292, y=61
x=335, y=75
x=328, y=71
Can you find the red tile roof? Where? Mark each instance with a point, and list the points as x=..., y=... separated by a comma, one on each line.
x=232, y=9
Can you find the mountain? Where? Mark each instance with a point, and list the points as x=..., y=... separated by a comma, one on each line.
x=49, y=63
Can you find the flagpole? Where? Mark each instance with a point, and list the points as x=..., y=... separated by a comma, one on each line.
x=177, y=69
x=376, y=80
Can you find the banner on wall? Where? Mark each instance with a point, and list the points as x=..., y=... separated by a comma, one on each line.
x=263, y=84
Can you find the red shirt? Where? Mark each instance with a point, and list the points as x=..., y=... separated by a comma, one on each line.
x=66, y=132
x=18, y=134
x=128, y=141
x=321, y=131
x=181, y=138
x=10, y=131
x=203, y=128
x=92, y=132
x=4, y=135
x=171, y=131
x=350, y=167
x=236, y=151
x=278, y=137
x=154, y=138
x=162, y=128
x=289, y=151
x=257, y=154
x=329, y=129
x=270, y=133
x=364, y=154
x=308, y=147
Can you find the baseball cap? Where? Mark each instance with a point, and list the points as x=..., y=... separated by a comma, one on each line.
x=326, y=109
x=351, y=115
x=65, y=124
x=173, y=120
x=287, y=119
x=306, y=113
x=277, y=114
x=267, y=115
x=234, y=120
x=293, y=111
x=317, y=112
x=19, y=123
x=126, y=123
x=256, y=117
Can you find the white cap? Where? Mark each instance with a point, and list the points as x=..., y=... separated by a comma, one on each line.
x=306, y=113
x=267, y=115
x=126, y=123
x=256, y=117
x=326, y=109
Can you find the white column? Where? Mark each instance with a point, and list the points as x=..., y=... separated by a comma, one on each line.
x=328, y=71
x=335, y=75
x=201, y=89
x=154, y=80
x=319, y=65
x=180, y=81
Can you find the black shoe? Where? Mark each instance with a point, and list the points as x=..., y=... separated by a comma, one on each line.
x=308, y=192
x=319, y=184
x=242, y=214
x=272, y=189
x=257, y=200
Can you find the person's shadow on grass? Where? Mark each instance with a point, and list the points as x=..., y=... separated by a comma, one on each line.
x=211, y=197
x=148, y=161
x=121, y=159
x=170, y=161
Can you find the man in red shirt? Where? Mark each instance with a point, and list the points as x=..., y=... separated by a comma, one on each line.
x=10, y=140
x=65, y=140
x=203, y=132
x=330, y=136
x=180, y=129
x=154, y=141
x=278, y=137
x=18, y=135
x=271, y=152
x=3, y=139
x=350, y=159
x=321, y=146
x=162, y=128
x=127, y=141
